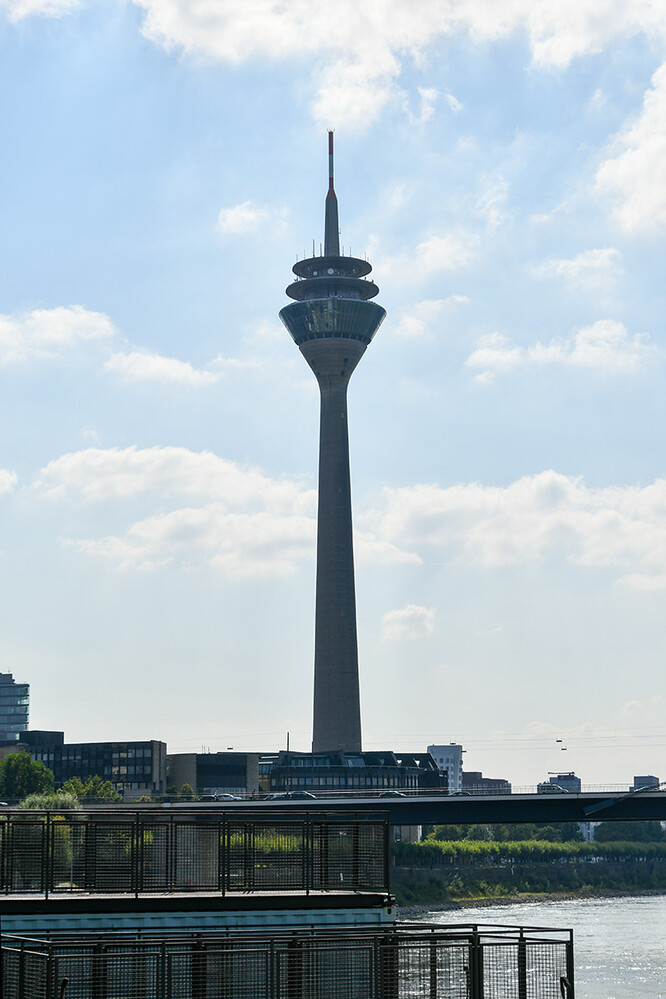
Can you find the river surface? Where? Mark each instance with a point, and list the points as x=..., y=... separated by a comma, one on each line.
x=619, y=943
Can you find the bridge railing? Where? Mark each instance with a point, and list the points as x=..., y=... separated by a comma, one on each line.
x=147, y=851
x=398, y=962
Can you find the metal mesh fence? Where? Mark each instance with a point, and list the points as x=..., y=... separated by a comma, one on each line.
x=148, y=851
x=25, y=973
x=530, y=970
x=396, y=962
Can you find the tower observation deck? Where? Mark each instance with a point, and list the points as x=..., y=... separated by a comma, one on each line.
x=332, y=322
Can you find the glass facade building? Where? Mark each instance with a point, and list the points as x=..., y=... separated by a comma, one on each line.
x=14, y=706
x=132, y=767
x=374, y=771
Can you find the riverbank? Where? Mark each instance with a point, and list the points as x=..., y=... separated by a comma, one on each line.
x=409, y=912
x=447, y=887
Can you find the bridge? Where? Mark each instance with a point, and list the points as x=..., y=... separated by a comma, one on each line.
x=443, y=809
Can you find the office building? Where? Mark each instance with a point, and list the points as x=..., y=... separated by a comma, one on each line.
x=14, y=708
x=332, y=322
x=134, y=768
x=214, y=773
x=474, y=782
x=449, y=758
x=356, y=772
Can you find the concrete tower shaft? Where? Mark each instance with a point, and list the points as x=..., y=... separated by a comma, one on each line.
x=332, y=322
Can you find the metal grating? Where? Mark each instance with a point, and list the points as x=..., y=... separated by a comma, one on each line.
x=150, y=851
x=400, y=962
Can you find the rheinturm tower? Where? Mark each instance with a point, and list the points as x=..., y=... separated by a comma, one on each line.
x=332, y=322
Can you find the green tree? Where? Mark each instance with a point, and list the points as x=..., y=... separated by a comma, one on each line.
x=20, y=776
x=50, y=801
x=186, y=792
x=93, y=790
x=629, y=832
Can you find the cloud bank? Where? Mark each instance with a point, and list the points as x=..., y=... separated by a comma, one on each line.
x=19, y=9
x=246, y=523
x=359, y=48
x=238, y=519
x=144, y=366
x=408, y=622
x=632, y=175
x=605, y=347
x=538, y=516
x=49, y=333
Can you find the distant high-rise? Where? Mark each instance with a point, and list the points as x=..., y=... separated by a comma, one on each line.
x=14, y=706
x=332, y=322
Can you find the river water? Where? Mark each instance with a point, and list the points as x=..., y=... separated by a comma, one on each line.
x=619, y=943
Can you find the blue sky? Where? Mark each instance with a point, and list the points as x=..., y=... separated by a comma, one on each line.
x=164, y=163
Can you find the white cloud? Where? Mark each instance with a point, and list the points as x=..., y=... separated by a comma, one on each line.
x=428, y=98
x=355, y=92
x=542, y=515
x=97, y=474
x=238, y=519
x=411, y=621
x=142, y=366
x=370, y=550
x=491, y=205
x=424, y=315
x=593, y=270
x=433, y=255
x=48, y=333
x=453, y=103
x=358, y=49
x=254, y=544
x=8, y=480
x=241, y=218
x=18, y=9
x=633, y=174
x=605, y=346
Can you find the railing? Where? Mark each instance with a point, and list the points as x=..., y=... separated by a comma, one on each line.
x=148, y=851
x=433, y=962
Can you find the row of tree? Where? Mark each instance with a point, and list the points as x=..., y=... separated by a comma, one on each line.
x=24, y=779
x=438, y=853
x=557, y=832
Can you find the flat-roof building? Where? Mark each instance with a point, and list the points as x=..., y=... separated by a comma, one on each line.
x=134, y=768
x=14, y=708
x=214, y=773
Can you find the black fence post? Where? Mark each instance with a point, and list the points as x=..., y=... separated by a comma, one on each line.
x=476, y=966
x=89, y=854
x=522, y=966
x=386, y=966
x=570, y=965
x=98, y=972
x=198, y=970
x=47, y=855
x=136, y=856
x=21, y=971
x=294, y=969
x=222, y=854
x=4, y=870
x=355, y=851
x=433, y=967
x=161, y=972
x=50, y=967
x=305, y=867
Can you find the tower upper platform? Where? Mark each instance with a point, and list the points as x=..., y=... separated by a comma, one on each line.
x=331, y=293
